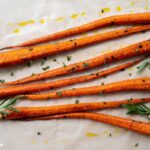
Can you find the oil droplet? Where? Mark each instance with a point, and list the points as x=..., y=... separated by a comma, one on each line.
x=83, y=13
x=42, y=21
x=16, y=30
x=118, y=8
x=75, y=16
x=106, y=9
x=10, y=24
x=132, y=3
x=105, y=132
x=117, y=130
x=46, y=142
x=132, y=11
x=105, y=51
x=131, y=69
x=33, y=142
x=90, y=134
x=146, y=7
x=60, y=19
x=25, y=23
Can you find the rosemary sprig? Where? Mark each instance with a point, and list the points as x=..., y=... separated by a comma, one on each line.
x=140, y=108
x=6, y=105
x=144, y=65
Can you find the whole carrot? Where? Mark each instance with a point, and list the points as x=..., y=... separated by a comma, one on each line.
x=139, y=18
x=126, y=85
x=22, y=89
x=141, y=127
x=28, y=112
x=18, y=56
x=120, y=54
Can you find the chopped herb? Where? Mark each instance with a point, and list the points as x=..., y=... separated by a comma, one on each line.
x=85, y=65
x=43, y=61
x=2, y=81
x=64, y=65
x=68, y=58
x=102, y=11
x=77, y=101
x=59, y=93
x=45, y=68
x=130, y=74
x=136, y=145
x=11, y=74
x=110, y=134
x=144, y=65
x=29, y=63
x=54, y=59
x=101, y=93
x=129, y=99
x=39, y=133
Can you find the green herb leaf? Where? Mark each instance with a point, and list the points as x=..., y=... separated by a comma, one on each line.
x=8, y=104
x=140, y=108
x=2, y=80
x=144, y=65
x=45, y=68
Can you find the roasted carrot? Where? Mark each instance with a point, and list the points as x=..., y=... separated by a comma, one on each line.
x=28, y=112
x=18, y=56
x=140, y=18
x=123, y=53
x=137, y=126
x=22, y=89
x=125, y=85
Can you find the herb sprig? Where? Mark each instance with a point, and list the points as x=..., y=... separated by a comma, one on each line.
x=6, y=105
x=140, y=108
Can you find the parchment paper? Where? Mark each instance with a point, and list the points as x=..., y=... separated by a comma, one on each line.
x=21, y=20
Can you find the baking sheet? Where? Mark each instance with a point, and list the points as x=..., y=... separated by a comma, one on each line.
x=21, y=20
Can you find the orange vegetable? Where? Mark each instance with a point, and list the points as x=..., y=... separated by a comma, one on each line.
x=18, y=56
x=140, y=18
x=126, y=85
x=28, y=112
x=22, y=89
x=120, y=54
x=141, y=127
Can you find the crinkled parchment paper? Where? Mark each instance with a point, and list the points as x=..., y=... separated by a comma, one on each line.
x=21, y=20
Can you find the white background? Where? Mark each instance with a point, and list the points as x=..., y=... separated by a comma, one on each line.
x=48, y=16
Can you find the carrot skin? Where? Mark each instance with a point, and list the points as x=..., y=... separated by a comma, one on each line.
x=14, y=57
x=28, y=112
x=22, y=89
x=120, y=54
x=139, y=18
x=139, y=84
x=140, y=127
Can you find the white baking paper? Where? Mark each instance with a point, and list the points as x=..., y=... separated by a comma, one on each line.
x=21, y=20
